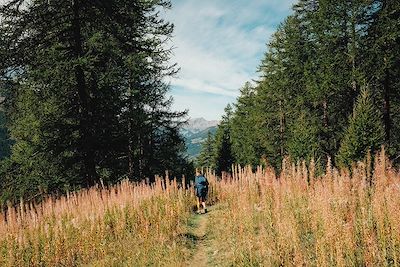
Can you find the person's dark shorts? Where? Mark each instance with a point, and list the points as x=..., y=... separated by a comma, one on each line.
x=202, y=198
x=202, y=195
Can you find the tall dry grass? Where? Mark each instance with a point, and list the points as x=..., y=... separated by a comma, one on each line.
x=125, y=225
x=341, y=218
x=296, y=219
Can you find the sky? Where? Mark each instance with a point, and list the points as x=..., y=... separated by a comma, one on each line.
x=219, y=44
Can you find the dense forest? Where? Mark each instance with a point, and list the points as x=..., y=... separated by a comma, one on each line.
x=83, y=93
x=83, y=88
x=328, y=87
x=90, y=145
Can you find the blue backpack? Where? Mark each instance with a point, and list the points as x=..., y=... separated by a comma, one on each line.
x=201, y=185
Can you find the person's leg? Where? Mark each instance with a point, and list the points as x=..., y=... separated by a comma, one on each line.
x=203, y=199
x=198, y=204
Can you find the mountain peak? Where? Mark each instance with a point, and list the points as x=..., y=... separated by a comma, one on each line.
x=199, y=124
x=195, y=133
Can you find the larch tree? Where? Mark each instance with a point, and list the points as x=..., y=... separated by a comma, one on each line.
x=88, y=97
x=365, y=132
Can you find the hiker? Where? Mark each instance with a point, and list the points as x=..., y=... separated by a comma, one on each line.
x=201, y=189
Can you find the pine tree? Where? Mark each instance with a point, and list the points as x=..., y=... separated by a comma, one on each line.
x=207, y=157
x=5, y=141
x=89, y=95
x=310, y=77
x=381, y=61
x=281, y=92
x=223, y=144
x=245, y=144
x=303, y=143
x=365, y=132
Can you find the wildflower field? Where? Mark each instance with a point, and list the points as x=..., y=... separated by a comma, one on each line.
x=125, y=225
x=298, y=219
x=341, y=218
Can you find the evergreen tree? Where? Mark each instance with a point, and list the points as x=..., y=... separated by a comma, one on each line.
x=310, y=78
x=5, y=141
x=88, y=100
x=280, y=94
x=223, y=145
x=244, y=139
x=382, y=60
x=207, y=157
x=364, y=133
x=303, y=143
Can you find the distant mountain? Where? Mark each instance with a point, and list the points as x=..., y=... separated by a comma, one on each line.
x=195, y=133
x=198, y=125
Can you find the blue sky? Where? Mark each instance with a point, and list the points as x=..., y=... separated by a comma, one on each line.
x=218, y=45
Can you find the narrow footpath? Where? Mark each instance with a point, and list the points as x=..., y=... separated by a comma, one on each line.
x=202, y=243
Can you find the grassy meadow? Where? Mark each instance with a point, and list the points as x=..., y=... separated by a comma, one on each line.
x=337, y=219
x=341, y=218
x=125, y=225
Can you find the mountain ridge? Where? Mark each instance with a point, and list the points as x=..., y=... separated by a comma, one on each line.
x=195, y=125
x=195, y=133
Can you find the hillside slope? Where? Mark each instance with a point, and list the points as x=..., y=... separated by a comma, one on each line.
x=194, y=141
x=195, y=132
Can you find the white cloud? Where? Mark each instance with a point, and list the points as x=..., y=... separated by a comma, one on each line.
x=201, y=104
x=216, y=53
x=219, y=44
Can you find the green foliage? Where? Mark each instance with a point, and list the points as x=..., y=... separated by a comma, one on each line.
x=303, y=140
x=310, y=78
x=223, y=145
x=194, y=141
x=5, y=141
x=216, y=152
x=364, y=133
x=381, y=59
x=243, y=131
x=86, y=94
x=207, y=155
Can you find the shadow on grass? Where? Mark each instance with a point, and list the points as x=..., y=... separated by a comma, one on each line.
x=192, y=238
x=191, y=241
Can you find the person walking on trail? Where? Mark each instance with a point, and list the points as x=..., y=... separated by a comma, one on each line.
x=201, y=190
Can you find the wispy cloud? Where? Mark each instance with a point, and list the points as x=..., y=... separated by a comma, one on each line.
x=219, y=44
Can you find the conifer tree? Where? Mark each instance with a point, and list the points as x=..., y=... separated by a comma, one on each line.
x=364, y=133
x=245, y=144
x=88, y=100
x=381, y=60
x=207, y=157
x=223, y=144
x=303, y=143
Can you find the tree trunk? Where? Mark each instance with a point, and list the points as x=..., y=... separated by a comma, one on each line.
x=85, y=121
x=282, y=128
x=353, y=47
x=325, y=116
x=386, y=105
x=141, y=156
x=130, y=150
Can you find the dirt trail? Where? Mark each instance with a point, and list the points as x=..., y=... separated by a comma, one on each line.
x=200, y=256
